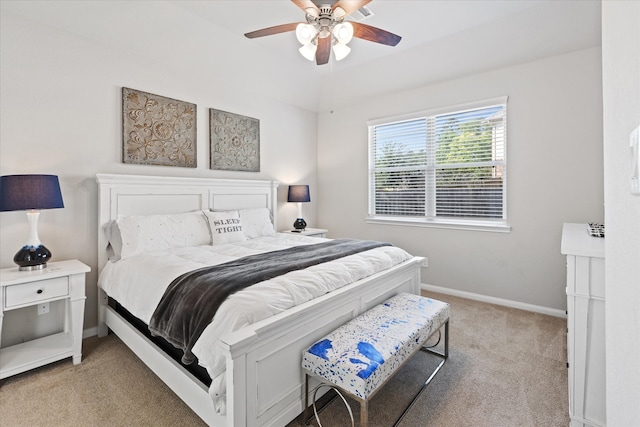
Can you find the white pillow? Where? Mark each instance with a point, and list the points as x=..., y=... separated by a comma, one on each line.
x=114, y=241
x=256, y=222
x=148, y=233
x=225, y=227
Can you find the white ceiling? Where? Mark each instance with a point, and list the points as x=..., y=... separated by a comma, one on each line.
x=441, y=40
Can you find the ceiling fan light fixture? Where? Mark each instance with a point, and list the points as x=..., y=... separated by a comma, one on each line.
x=305, y=33
x=343, y=32
x=308, y=51
x=341, y=51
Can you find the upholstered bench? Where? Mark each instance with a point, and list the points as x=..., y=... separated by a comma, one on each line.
x=361, y=355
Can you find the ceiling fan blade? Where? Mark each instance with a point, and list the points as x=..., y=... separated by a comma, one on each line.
x=307, y=4
x=272, y=30
x=350, y=6
x=324, y=50
x=373, y=34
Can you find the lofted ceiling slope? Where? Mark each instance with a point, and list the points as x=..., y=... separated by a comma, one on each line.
x=441, y=40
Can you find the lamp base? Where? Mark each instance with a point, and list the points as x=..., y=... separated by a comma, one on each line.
x=300, y=224
x=32, y=258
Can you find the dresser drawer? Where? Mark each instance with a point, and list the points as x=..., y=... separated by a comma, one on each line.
x=30, y=293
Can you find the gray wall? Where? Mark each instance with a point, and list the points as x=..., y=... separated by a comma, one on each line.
x=555, y=175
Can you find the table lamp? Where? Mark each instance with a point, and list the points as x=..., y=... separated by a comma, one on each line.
x=299, y=194
x=30, y=193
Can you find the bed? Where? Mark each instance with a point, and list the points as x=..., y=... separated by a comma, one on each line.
x=263, y=382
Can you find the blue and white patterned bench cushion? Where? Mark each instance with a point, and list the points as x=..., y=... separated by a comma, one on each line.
x=361, y=354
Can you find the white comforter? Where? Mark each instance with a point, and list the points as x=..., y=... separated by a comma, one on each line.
x=139, y=282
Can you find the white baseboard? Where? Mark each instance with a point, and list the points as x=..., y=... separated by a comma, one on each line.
x=493, y=300
x=90, y=332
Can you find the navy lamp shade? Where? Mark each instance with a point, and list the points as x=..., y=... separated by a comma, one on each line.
x=30, y=193
x=299, y=194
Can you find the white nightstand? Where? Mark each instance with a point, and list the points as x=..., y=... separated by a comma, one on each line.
x=315, y=232
x=63, y=280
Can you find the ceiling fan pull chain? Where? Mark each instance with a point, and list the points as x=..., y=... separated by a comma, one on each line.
x=331, y=86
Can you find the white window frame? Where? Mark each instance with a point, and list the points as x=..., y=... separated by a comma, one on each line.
x=476, y=224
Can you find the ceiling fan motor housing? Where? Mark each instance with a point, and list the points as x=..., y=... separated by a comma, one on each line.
x=324, y=22
x=325, y=9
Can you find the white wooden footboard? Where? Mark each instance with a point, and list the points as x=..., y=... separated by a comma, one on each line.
x=267, y=384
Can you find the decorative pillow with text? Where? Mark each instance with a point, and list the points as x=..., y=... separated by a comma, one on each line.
x=225, y=227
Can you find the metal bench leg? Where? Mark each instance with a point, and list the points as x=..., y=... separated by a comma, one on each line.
x=446, y=340
x=338, y=393
x=306, y=399
x=444, y=356
x=364, y=413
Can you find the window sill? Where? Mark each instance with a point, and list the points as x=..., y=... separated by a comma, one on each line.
x=470, y=225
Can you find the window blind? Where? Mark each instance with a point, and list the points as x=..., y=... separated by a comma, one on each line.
x=449, y=165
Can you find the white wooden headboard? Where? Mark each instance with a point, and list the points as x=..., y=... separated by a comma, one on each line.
x=124, y=195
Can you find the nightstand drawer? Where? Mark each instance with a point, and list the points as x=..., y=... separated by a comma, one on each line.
x=33, y=292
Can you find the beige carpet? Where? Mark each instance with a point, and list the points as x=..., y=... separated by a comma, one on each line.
x=507, y=367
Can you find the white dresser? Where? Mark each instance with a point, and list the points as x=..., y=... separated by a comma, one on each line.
x=585, y=319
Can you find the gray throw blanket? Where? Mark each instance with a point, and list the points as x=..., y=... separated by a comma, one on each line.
x=191, y=300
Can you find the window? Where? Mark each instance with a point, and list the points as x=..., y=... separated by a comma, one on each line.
x=442, y=168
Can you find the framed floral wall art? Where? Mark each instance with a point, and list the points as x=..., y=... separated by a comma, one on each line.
x=157, y=130
x=235, y=141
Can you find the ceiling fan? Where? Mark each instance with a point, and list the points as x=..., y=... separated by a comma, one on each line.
x=326, y=29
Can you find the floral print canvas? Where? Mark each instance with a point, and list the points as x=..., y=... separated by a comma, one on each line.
x=157, y=130
x=235, y=141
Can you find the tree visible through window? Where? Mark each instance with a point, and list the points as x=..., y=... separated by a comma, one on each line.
x=450, y=165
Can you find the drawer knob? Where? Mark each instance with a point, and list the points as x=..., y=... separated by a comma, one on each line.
x=39, y=291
